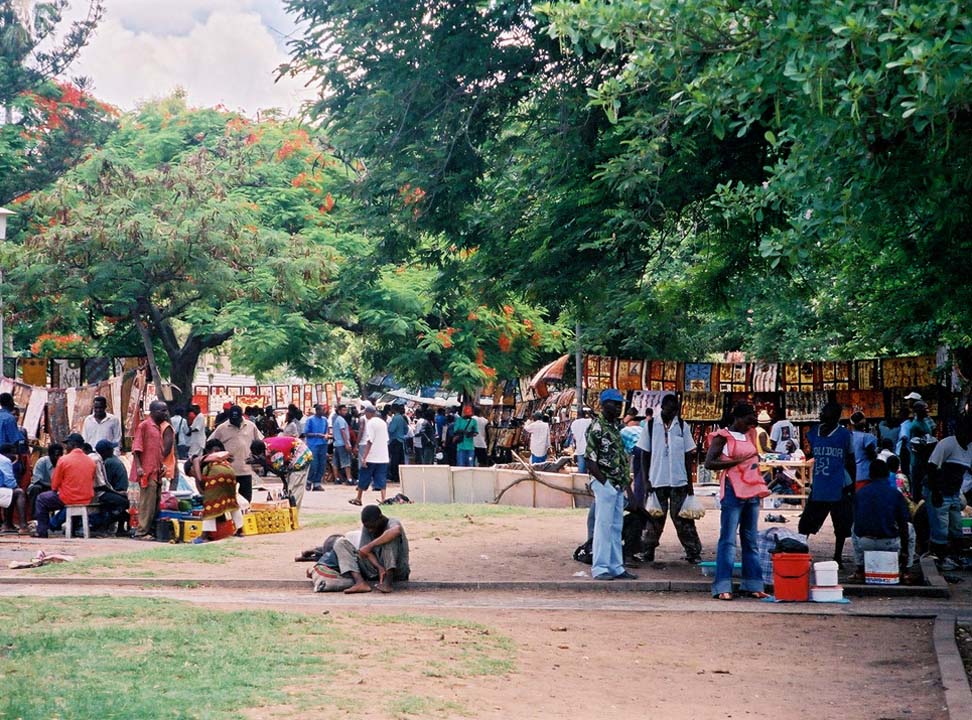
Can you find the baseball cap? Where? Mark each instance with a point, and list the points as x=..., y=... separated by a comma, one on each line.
x=912, y=396
x=75, y=439
x=105, y=445
x=612, y=394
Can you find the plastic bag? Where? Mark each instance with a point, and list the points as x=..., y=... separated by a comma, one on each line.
x=653, y=507
x=691, y=509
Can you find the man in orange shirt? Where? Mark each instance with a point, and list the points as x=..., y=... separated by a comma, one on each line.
x=152, y=449
x=71, y=484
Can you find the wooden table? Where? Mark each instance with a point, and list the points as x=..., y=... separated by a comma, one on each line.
x=802, y=471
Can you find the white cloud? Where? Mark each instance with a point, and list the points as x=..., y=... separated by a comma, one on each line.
x=219, y=51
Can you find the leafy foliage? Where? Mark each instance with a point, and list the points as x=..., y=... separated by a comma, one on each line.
x=48, y=123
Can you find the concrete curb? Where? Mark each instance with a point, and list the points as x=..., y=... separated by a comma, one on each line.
x=955, y=681
x=930, y=570
x=579, y=585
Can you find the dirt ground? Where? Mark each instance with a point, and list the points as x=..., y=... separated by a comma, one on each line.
x=579, y=655
x=475, y=546
x=715, y=666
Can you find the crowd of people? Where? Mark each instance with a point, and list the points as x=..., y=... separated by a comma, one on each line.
x=858, y=482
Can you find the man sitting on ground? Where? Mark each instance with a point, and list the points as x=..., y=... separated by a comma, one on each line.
x=11, y=495
x=382, y=553
x=881, y=521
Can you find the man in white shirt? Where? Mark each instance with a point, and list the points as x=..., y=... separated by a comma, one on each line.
x=101, y=425
x=539, y=438
x=782, y=432
x=479, y=442
x=373, y=455
x=667, y=446
x=949, y=462
x=578, y=438
x=197, y=431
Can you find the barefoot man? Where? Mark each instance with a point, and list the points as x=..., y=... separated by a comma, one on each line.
x=382, y=553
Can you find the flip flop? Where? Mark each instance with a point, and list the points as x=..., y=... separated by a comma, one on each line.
x=354, y=501
x=757, y=595
x=726, y=596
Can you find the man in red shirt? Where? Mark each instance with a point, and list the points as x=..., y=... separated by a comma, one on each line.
x=151, y=445
x=71, y=484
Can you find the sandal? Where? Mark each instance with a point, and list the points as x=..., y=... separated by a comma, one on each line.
x=354, y=501
x=756, y=595
x=724, y=596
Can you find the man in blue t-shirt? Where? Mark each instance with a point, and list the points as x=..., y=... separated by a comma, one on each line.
x=315, y=435
x=9, y=430
x=865, y=448
x=832, y=492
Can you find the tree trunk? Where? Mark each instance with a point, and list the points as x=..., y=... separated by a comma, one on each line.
x=146, y=336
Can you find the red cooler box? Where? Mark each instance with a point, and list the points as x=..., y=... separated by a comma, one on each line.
x=791, y=577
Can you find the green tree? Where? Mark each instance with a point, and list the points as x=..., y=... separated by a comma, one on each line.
x=192, y=227
x=861, y=110
x=47, y=123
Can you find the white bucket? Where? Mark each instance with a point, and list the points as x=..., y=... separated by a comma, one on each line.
x=826, y=594
x=881, y=567
x=825, y=573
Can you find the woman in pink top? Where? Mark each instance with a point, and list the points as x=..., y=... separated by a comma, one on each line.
x=733, y=451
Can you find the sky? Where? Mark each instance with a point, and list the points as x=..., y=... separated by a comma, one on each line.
x=219, y=51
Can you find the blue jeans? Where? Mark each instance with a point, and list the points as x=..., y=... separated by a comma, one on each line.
x=466, y=458
x=318, y=465
x=608, y=520
x=535, y=459
x=744, y=515
x=944, y=522
x=581, y=463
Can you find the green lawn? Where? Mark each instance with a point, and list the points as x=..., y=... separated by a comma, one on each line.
x=213, y=553
x=128, y=658
x=428, y=513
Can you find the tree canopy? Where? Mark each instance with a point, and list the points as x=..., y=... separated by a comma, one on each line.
x=47, y=121
x=683, y=177
x=192, y=227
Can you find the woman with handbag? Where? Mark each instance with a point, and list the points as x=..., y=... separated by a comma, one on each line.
x=733, y=451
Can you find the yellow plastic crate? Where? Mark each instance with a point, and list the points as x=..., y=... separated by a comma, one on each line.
x=190, y=530
x=250, y=524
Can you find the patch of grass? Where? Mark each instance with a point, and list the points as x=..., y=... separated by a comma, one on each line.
x=215, y=553
x=404, y=706
x=429, y=513
x=122, y=658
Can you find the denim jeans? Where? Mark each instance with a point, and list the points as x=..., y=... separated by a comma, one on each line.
x=864, y=544
x=581, y=463
x=466, y=458
x=944, y=522
x=537, y=459
x=744, y=515
x=318, y=465
x=608, y=521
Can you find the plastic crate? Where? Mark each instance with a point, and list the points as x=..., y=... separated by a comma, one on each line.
x=250, y=526
x=190, y=530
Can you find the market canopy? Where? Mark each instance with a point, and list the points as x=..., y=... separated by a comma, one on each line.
x=551, y=371
x=432, y=401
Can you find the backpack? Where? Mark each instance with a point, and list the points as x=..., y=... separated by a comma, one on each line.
x=584, y=553
x=428, y=433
